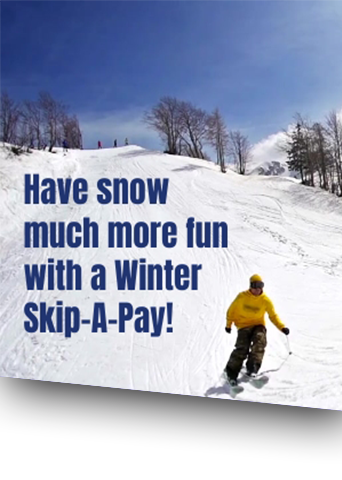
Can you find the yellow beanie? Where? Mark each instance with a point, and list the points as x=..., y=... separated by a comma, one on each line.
x=255, y=278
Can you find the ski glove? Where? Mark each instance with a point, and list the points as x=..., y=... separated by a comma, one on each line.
x=285, y=330
x=228, y=330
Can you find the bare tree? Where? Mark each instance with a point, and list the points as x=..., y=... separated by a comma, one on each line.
x=71, y=131
x=44, y=121
x=24, y=133
x=164, y=118
x=33, y=117
x=182, y=126
x=193, y=129
x=9, y=118
x=218, y=137
x=321, y=154
x=240, y=150
x=309, y=156
x=334, y=133
x=54, y=113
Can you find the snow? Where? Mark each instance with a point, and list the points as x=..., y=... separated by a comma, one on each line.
x=287, y=233
x=269, y=158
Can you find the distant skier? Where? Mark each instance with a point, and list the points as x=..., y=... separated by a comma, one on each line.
x=115, y=143
x=99, y=144
x=65, y=145
x=247, y=313
x=126, y=141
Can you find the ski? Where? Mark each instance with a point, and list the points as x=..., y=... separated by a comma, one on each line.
x=234, y=386
x=258, y=380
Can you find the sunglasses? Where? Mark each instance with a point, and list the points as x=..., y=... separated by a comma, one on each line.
x=257, y=285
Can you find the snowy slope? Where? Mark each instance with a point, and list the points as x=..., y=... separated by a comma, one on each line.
x=289, y=234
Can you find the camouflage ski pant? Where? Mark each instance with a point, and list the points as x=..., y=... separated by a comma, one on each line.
x=251, y=342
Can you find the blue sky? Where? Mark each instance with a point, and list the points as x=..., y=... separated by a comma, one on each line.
x=260, y=62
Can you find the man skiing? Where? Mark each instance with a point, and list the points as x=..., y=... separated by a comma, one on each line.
x=247, y=313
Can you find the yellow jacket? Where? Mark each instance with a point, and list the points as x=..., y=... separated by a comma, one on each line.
x=248, y=310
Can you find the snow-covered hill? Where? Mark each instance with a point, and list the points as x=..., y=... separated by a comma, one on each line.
x=289, y=234
x=268, y=158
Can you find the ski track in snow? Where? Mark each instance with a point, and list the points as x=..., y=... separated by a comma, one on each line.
x=288, y=233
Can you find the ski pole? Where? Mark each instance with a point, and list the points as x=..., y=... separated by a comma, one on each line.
x=288, y=346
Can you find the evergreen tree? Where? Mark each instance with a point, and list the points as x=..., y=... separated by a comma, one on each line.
x=297, y=153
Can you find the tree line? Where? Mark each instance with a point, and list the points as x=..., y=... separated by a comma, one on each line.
x=314, y=150
x=186, y=129
x=40, y=123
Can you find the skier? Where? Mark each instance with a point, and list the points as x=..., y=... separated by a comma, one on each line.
x=115, y=143
x=126, y=141
x=99, y=144
x=247, y=313
x=65, y=145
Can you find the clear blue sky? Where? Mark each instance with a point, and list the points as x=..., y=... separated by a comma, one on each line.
x=259, y=62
